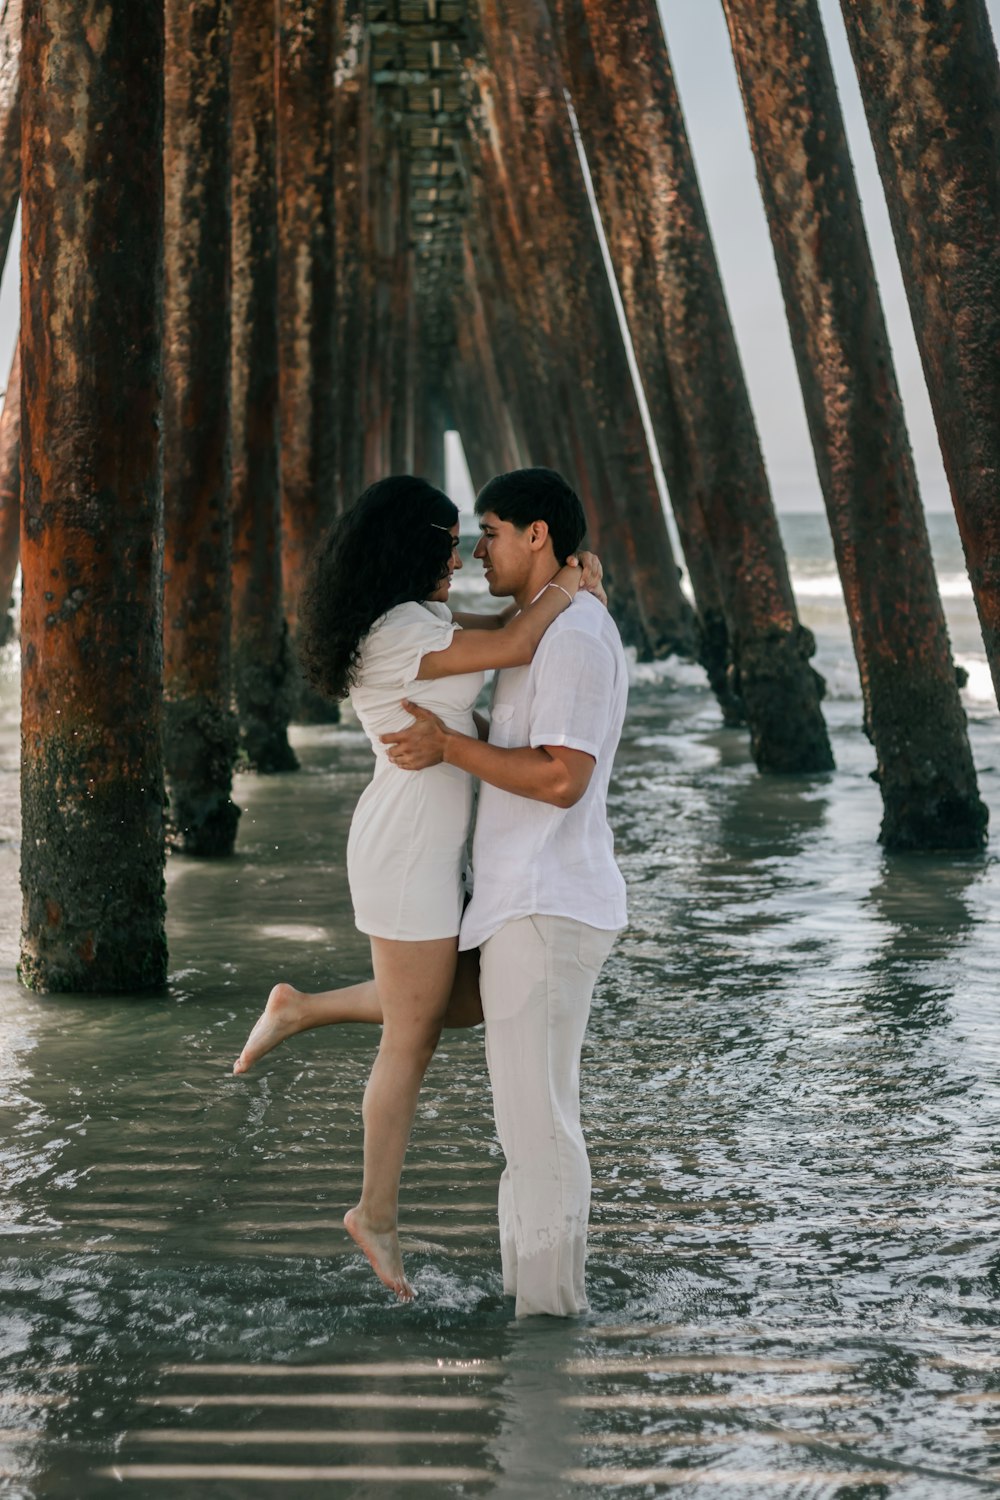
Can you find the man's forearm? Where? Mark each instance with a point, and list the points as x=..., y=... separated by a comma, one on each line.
x=526, y=772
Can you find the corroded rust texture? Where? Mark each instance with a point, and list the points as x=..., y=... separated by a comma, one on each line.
x=542, y=388
x=912, y=709
x=91, y=625
x=512, y=336
x=468, y=421
x=401, y=352
x=499, y=391
x=10, y=119
x=391, y=333
x=613, y=166
x=307, y=285
x=350, y=113
x=479, y=393
x=931, y=86
x=10, y=493
x=307, y=313
x=381, y=216
x=771, y=650
x=429, y=427
x=261, y=656
x=199, y=725
x=559, y=258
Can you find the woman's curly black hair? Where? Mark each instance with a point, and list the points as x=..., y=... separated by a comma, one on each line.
x=393, y=545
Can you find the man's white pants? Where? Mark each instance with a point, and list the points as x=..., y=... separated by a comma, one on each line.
x=537, y=977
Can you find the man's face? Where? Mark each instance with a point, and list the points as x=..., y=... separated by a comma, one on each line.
x=507, y=554
x=440, y=594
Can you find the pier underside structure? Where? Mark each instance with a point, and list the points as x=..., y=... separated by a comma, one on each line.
x=385, y=219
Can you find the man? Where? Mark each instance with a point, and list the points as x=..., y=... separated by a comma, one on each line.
x=548, y=897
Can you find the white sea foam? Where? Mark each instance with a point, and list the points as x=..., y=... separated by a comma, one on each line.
x=828, y=586
x=978, y=691
x=843, y=685
x=10, y=659
x=674, y=671
x=817, y=586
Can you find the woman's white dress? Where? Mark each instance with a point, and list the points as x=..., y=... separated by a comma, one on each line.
x=406, y=851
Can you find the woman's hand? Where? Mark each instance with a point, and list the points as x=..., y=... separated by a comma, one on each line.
x=591, y=573
x=569, y=577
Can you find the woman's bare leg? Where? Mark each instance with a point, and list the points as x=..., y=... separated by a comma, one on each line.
x=414, y=982
x=289, y=1011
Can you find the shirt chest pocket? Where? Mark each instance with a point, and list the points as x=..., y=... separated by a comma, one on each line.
x=501, y=723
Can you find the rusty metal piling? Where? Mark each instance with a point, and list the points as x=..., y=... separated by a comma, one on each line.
x=515, y=334
x=479, y=394
x=306, y=146
x=913, y=714
x=930, y=81
x=624, y=214
x=10, y=494
x=771, y=650
x=10, y=119
x=564, y=258
x=200, y=731
x=351, y=106
x=261, y=657
x=91, y=623
x=529, y=328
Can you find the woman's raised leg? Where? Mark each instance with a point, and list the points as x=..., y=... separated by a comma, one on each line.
x=414, y=982
x=289, y=1011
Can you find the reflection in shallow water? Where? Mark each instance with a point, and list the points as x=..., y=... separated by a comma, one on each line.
x=791, y=1093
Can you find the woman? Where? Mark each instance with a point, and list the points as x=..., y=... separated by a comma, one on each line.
x=376, y=626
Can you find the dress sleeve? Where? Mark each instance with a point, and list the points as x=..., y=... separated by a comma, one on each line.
x=398, y=644
x=574, y=691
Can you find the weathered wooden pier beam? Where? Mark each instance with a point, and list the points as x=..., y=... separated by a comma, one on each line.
x=480, y=393
x=392, y=330
x=473, y=387
x=508, y=426
x=402, y=331
x=91, y=623
x=199, y=726
x=516, y=336
x=913, y=714
x=307, y=297
x=10, y=494
x=261, y=657
x=930, y=81
x=625, y=216
x=779, y=691
x=381, y=215
x=351, y=109
x=10, y=119
x=532, y=346
x=564, y=257
x=430, y=423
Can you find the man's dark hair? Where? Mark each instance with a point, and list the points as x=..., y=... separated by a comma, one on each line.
x=526, y=495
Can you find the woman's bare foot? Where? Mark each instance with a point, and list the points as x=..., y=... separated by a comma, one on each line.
x=382, y=1250
x=282, y=1016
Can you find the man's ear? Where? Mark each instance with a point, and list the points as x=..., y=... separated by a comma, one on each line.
x=538, y=535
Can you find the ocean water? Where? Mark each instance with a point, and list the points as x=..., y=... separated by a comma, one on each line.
x=791, y=1089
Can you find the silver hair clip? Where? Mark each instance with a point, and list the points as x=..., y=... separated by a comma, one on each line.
x=440, y=528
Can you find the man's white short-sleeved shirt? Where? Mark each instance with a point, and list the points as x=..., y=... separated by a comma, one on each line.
x=529, y=858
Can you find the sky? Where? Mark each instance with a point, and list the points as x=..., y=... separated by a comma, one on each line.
x=706, y=77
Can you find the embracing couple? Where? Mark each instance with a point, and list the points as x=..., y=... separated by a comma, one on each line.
x=548, y=898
